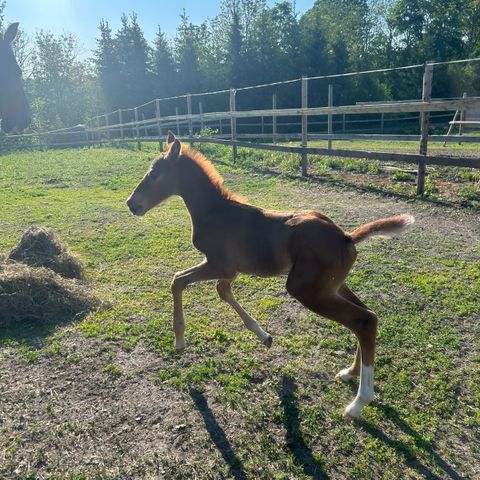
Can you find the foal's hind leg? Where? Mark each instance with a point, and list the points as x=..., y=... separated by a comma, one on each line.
x=354, y=370
x=319, y=293
x=225, y=293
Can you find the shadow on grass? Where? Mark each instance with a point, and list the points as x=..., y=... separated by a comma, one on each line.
x=32, y=332
x=404, y=448
x=295, y=441
x=218, y=435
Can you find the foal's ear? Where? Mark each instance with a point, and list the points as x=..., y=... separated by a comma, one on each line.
x=11, y=32
x=174, y=151
x=171, y=137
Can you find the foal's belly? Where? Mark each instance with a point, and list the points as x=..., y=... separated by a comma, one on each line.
x=263, y=257
x=263, y=267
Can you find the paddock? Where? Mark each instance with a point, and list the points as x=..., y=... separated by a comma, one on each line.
x=107, y=396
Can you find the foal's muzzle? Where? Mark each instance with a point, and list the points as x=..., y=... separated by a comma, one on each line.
x=135, y=208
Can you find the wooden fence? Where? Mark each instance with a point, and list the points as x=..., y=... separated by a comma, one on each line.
x=105, y=129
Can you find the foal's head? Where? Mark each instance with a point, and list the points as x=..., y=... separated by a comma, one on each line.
x=159, y=182
x=14, y=110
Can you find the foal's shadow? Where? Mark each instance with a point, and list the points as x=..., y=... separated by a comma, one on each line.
x=404, y=448
x=295, y=441
x=218, y=435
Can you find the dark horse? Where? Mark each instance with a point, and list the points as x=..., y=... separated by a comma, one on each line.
x=14, y=109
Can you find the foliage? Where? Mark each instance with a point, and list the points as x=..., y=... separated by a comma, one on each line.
x=62, y=84
x=250, y=42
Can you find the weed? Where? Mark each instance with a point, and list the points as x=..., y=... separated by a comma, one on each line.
x=401, y=176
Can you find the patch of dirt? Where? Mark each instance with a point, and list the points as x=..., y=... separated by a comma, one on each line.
x=56, y=407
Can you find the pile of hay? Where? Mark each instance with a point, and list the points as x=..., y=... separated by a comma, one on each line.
x=29, y=291
x=40, y=295
x=40, y=247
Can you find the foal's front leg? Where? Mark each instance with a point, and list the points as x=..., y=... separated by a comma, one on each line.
x=201, y=272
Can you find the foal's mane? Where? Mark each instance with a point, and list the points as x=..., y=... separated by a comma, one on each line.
x=211, y=173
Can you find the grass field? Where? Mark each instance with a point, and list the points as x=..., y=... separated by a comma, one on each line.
x=106, y=396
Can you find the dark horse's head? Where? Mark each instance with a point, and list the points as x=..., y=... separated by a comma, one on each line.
x=14, y=109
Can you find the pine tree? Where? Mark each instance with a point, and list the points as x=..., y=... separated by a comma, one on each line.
x=133, y=52
x=163, y=66
x=235, y=51
x=107, y=67
x=188, y=44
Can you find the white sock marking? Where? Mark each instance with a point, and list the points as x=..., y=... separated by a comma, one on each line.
x=365, y=392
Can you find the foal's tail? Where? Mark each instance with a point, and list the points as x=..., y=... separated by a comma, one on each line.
x=386, y=228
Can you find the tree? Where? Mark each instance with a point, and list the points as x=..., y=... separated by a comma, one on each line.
x=163, y=66
x=275, y=43
x=132, y=54
x=62, y=84
x=189, y=43
x=235, y=50
x=107, y=67
x=3, y=5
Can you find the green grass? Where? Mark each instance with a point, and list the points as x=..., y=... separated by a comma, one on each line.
x=266, y=413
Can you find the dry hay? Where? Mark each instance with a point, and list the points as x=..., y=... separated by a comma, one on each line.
x=39, y=282
x=40, y=295
x=41, y=247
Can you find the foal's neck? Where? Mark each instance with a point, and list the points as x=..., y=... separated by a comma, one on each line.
x=200, y=188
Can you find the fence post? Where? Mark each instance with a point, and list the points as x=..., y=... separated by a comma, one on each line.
x=233, y=123
x=274, y=118
x=462, y=118
x=159, y=125
x=107, y=126
x=382, y=120
x=425, y=123
x=200, y=110
x=87, y=135
x=137, y=131
x=189, y=112
x=120, y=121
x=178, y=122
x=99, y=138
x=145, y=129
x=262, y=123
x=343, y=122
x=330, y=116
x=221, y=128
x=304, y=123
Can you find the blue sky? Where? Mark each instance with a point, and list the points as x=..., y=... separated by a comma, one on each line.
x=83, y=16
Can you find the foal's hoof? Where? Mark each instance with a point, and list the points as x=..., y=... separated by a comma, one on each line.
x=268, y=341
x=344, y=375
x=350, y=418
x=352, y=412
x=180, y=346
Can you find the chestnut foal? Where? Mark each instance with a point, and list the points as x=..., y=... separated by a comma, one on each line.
x=237, y=238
